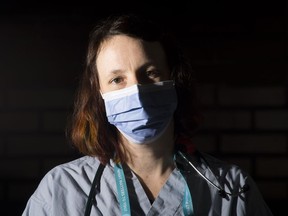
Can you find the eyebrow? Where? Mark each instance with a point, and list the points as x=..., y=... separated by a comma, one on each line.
x=141, y=68
x=114, y=72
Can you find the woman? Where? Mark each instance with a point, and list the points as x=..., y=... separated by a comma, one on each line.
x=133, y=119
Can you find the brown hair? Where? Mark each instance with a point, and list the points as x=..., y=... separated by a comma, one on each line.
x=89, y=130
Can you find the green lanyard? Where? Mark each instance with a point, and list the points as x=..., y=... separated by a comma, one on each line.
x=187, y=203
x=124, y=197
x=122, y=190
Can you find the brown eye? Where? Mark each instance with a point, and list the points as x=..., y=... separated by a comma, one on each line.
x=117, y=80
x=153, y=74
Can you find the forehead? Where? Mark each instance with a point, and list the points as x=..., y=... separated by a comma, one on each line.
x=124, y=45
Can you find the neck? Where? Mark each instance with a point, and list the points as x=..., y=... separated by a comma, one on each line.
x=152, y=163
x=155, y=157
x=144, y=159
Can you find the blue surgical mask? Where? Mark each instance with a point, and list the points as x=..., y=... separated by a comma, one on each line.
x=142, y=112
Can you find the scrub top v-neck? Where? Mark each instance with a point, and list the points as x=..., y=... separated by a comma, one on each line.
x=176, y=184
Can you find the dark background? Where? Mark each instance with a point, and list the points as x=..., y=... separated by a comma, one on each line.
x=234, y=47
x=217, y=32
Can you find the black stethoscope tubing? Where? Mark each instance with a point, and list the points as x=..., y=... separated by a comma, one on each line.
x=221, y=191
x=95, y=187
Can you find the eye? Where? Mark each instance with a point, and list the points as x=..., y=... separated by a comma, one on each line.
x=116, y=80
x=153, y=73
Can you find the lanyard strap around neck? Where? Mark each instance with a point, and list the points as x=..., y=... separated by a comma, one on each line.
x=187, y=203
x=122, y=190
x=123, y=195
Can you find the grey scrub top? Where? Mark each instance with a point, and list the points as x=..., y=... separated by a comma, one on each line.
x=64, y=190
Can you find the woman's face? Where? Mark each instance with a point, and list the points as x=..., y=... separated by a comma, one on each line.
x=124, y=61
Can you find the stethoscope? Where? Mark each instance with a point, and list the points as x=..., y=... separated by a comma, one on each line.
x=95, y=187
x=220, y=189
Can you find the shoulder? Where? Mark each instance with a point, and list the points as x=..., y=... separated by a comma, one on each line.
x=221, y=167
x=56, y=190
x=233, y=179
x=215, y=168
x=72, y=171
x=78, y=165
x=73, y=174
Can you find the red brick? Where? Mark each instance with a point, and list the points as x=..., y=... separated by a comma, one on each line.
x=244, y=51
x=47, y=98
x=272, y=120
x=55, y=121
x=253, y=143
x=205, y=143
x=2, y=146
x=18, y=121
x=38, y=145
x=227, y=119
x=19, y=168
x=2, y=101
x=272, y=167
x=273, y=190
x=206, y=94
x=252, y=96
x=20, y=191
x=2, y=191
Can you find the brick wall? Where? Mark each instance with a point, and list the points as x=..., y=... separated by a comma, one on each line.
x=39, y=66
x=242, y=87
x=247, y=126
